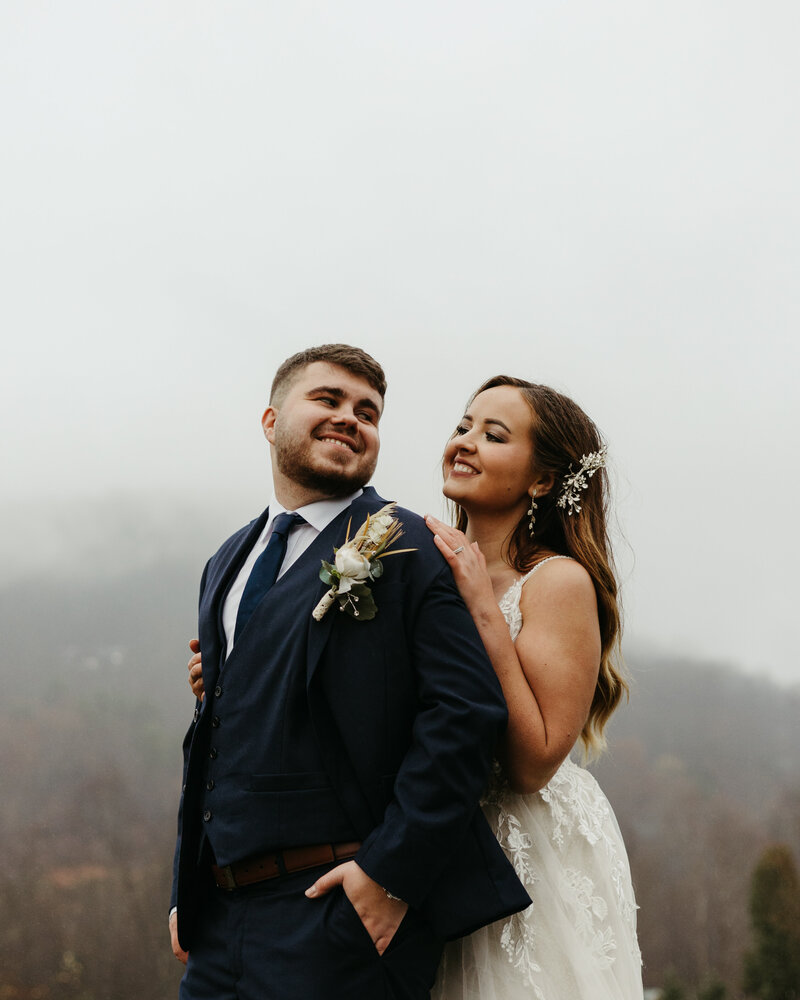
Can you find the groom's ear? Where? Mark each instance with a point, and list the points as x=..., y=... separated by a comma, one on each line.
x=268, y=423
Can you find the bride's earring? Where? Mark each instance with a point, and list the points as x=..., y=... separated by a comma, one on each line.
x=533, y=507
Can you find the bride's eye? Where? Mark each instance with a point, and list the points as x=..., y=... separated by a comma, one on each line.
x=461, y=429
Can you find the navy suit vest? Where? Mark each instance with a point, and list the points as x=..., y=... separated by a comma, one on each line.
x=263, y=759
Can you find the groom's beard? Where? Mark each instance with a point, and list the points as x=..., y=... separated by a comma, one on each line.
x=297, y=462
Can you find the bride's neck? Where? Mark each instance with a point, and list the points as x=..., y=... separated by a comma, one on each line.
x=492, y=531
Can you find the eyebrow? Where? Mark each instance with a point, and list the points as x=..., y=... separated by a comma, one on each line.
x=338, y=393
x=489, y=420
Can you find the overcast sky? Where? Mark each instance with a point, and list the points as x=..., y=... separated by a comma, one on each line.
x=598, y=195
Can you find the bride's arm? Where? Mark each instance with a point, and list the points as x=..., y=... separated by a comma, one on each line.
x=549, y=675
x=557, y=652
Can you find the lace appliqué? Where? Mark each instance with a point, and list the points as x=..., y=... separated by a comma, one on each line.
x=517, y=938
x=589, y=909
x=578, y=807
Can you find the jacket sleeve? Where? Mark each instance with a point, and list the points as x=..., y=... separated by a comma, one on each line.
x=461, y=715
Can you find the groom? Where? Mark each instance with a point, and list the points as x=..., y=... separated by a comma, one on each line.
x=329, y=834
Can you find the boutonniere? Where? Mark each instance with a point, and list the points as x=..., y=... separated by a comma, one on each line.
x=358, y=561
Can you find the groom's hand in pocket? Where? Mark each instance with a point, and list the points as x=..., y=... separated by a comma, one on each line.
x=380, y=915
x=177, y=951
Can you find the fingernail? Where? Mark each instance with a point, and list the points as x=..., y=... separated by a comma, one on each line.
x=311, y=891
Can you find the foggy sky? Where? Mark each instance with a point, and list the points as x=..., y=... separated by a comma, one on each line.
x=598, y=196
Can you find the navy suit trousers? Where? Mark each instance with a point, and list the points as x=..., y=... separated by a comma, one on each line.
x=270, y=942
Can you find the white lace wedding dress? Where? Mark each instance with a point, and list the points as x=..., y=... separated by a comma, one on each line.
x=577, y=941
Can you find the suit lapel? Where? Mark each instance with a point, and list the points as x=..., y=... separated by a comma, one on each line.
x=219, y=583
x=332, y=537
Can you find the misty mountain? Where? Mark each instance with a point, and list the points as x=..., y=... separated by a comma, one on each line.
x=735, y=733
x=122, y=630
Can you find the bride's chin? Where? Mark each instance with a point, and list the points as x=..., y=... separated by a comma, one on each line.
x=450, y=493
x=457, y=497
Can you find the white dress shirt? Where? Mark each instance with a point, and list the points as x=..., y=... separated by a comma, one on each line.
x=318, y=515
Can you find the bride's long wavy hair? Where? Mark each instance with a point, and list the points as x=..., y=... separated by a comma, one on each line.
x=562, y=434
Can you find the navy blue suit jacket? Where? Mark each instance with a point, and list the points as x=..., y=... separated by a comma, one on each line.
x=407, y=712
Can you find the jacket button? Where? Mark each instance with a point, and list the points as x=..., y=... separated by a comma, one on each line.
x=215, y=722
x=217, y=691
x=210, y=785
x=212, y=753
x=207, y=815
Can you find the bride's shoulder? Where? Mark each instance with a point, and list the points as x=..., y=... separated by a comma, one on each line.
x=557, y=579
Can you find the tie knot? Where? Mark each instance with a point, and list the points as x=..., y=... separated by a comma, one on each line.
x=284, y=523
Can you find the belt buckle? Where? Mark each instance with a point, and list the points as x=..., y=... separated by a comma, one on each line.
x=226, y=879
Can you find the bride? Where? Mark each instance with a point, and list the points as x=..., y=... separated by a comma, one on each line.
x=530, y=555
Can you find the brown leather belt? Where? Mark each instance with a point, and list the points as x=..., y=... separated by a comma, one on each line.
x=294, y=859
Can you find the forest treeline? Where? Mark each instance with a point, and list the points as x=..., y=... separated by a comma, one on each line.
x=703, y=772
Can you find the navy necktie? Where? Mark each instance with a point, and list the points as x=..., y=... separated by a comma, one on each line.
x=266, y=568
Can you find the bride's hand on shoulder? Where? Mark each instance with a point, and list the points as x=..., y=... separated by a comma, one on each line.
x=467, y=563
x=196, y=670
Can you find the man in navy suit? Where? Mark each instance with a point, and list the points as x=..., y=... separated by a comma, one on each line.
x=329, y=834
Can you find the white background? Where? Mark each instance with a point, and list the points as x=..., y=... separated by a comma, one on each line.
x=600, y=196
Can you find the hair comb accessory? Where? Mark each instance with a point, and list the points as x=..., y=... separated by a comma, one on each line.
x=575, y=482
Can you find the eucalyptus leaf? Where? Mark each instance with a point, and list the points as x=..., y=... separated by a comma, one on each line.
x=359, y=605
x=367, y=608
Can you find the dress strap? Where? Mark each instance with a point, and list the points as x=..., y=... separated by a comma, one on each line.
x=530, y=572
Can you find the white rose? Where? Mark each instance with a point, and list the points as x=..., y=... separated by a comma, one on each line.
x=351, y=564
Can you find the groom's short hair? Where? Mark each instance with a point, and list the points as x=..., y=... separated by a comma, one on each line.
x=355, y=360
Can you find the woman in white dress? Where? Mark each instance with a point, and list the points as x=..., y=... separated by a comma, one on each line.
x=530, y=554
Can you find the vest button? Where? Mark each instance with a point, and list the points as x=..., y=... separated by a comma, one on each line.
x=217, y=691
x=207, y=815
x=215, y=722
x=210, y=785
x=212, y=753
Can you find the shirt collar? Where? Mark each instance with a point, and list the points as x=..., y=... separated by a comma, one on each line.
x=318, y=514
